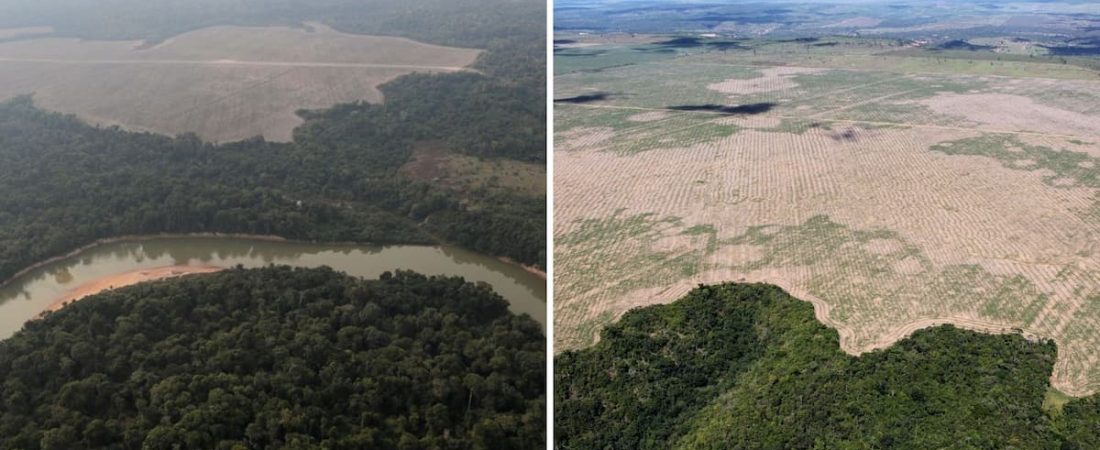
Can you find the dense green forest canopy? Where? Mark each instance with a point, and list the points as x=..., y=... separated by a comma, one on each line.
x=748, y=367
x=67, y=184
x=278, y=358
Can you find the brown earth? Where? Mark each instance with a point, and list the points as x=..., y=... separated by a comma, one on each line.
x=955, y=212
x=128, y=279
x=773, y=79
x=223, y=83
x=1014, y=113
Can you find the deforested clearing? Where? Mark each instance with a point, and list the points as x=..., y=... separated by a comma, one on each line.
x=891, y=201
x=771, y=79
x=1014, y=113
x=222, y=83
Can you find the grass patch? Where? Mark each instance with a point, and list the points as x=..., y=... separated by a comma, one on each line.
x=700, y=229
x=1071, y=169
x=681, y=136
x=1054, y=401
x=869, y=275
x=568, y=117
x=620, y=254
x=599, y=58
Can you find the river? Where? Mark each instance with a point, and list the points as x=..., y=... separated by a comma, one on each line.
x=30, y=294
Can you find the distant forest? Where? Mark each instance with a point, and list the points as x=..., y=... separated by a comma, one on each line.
x=66, y=184
x=278, y=358
x=748, y=367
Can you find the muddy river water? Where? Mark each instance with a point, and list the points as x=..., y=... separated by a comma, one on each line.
x=29, y=295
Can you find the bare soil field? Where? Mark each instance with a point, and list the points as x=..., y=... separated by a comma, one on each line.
x=128, y=279
x=772, y=79
x=1015, y=113
x=891, y=201
x=222, y=83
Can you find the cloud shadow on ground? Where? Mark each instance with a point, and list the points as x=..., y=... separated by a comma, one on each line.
x=731, y=110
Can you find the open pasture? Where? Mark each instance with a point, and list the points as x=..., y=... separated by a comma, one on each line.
x=892, y=198
x=222, y=83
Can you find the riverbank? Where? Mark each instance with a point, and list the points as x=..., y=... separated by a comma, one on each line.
x=136, y=237
x=530, y=269
x=31, y=294
x=127, y=279
x=259, y=237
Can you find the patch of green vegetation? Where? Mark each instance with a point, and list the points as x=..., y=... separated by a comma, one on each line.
x=1082, y=334
x=748, y=367
x=679, y=129
x=881, y=97
x=1071, y=169
x=705, y=129
x=700, y=229
x=794, y=126
x=603, y=57
x=589, y=329
x=814, y=241
x=890, y=111
x=596, y=230
x=870, y=273
x=1016, y=64
x=658, y=85
x=568, y=117
x=1007, y=296
x=1054, y=402
x=623, y=248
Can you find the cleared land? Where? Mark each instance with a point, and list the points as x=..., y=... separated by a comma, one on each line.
x=128, y=279
x=433, y=162
x=222, y=83
x=894, y=199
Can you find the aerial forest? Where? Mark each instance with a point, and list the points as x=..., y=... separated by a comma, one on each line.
x=278, y=358
x=747, y=366
x=67, y=184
